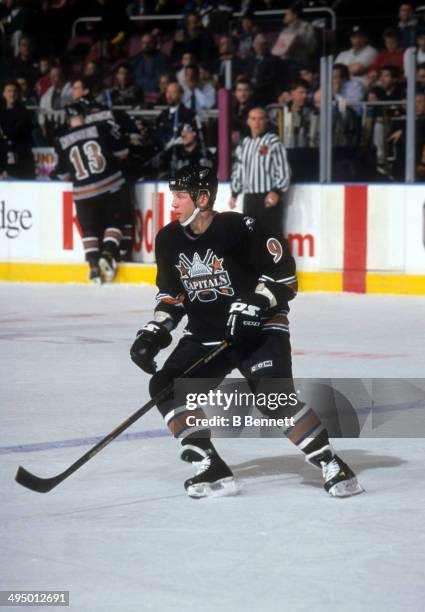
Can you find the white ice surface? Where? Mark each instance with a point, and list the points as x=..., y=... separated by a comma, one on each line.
x=120, y=534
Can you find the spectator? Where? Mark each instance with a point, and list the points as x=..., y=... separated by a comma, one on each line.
x=297, y=41
x=169, y=123
x=388, y=89
x=92, y=73
x=80, y=87
x=226, y=53
x=245, y=35
x=194, y=38
x=420, y=78
x=206, y=74
x=16, y=128
x=420, y=137
x=398, y=137
x=187, y=59
x=28, y=96
x=43, y=82
x=243, y=102
x=190, y=152
x=420, y=51
x=164, y=81
x=124, y=92
x=15, y=21
x=91, y=70
x=359, y=57
x=263, y=72
x=297, y=117
x=346, y=125
x=309, y=74
x=284, y=96
x=407, y=25
x=23, y=64
x=261, y=172
x=203, y=8
x=56, y=98
x=299, y=95
x=344, y=87
x=419, y=113
x=391, y=56
x=148, y=65
x=389, y=83
x=197, y=96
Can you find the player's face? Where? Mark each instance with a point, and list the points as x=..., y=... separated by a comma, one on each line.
x=182, y=205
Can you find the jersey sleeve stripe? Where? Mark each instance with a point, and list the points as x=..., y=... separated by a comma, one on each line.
x=169, y=299
x=288, y=279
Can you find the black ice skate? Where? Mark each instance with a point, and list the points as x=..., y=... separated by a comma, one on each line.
x=340, y=480
x=94, y=275
x=213, y=477
x=108, y=267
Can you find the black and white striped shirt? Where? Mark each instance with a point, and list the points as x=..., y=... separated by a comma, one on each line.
x=260, y=165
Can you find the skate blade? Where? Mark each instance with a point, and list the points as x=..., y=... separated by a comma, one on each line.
x=221, y=488
x=96, y=280
x=106, y=270
x=346, y=488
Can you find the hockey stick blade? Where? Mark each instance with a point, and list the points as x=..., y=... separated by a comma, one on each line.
x=44, y=485
x=35, y=483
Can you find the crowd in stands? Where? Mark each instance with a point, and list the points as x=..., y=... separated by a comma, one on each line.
x=127, y=58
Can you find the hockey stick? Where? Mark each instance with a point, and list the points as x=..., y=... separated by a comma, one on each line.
x=44, y=485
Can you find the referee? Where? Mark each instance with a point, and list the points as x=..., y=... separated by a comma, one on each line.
x=261, y=172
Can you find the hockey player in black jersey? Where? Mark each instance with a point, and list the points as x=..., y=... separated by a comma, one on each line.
x=89, y=156
x=124, y=129
x=233, y=280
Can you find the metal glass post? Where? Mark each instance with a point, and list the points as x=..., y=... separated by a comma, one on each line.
x=323, y=120
x=329, y=119
x=410, y=115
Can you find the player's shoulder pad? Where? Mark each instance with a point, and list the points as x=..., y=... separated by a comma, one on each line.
x=235, y=220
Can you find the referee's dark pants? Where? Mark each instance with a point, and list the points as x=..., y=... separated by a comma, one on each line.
x=271, y=218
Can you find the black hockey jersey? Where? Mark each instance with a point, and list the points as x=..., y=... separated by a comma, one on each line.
x=201, y=275
x=89, y=156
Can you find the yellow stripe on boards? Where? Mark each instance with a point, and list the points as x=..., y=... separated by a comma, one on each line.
x=71, y=273
x=403, y=284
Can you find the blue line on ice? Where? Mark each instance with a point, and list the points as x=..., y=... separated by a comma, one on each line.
x=42, y=446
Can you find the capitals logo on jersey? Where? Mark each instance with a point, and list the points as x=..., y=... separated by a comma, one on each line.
x=204, y=279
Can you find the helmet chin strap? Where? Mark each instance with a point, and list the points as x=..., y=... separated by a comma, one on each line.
x=191, y=218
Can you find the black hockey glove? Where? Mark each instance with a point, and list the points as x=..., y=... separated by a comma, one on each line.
x=244, y=321
x=149, y=341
